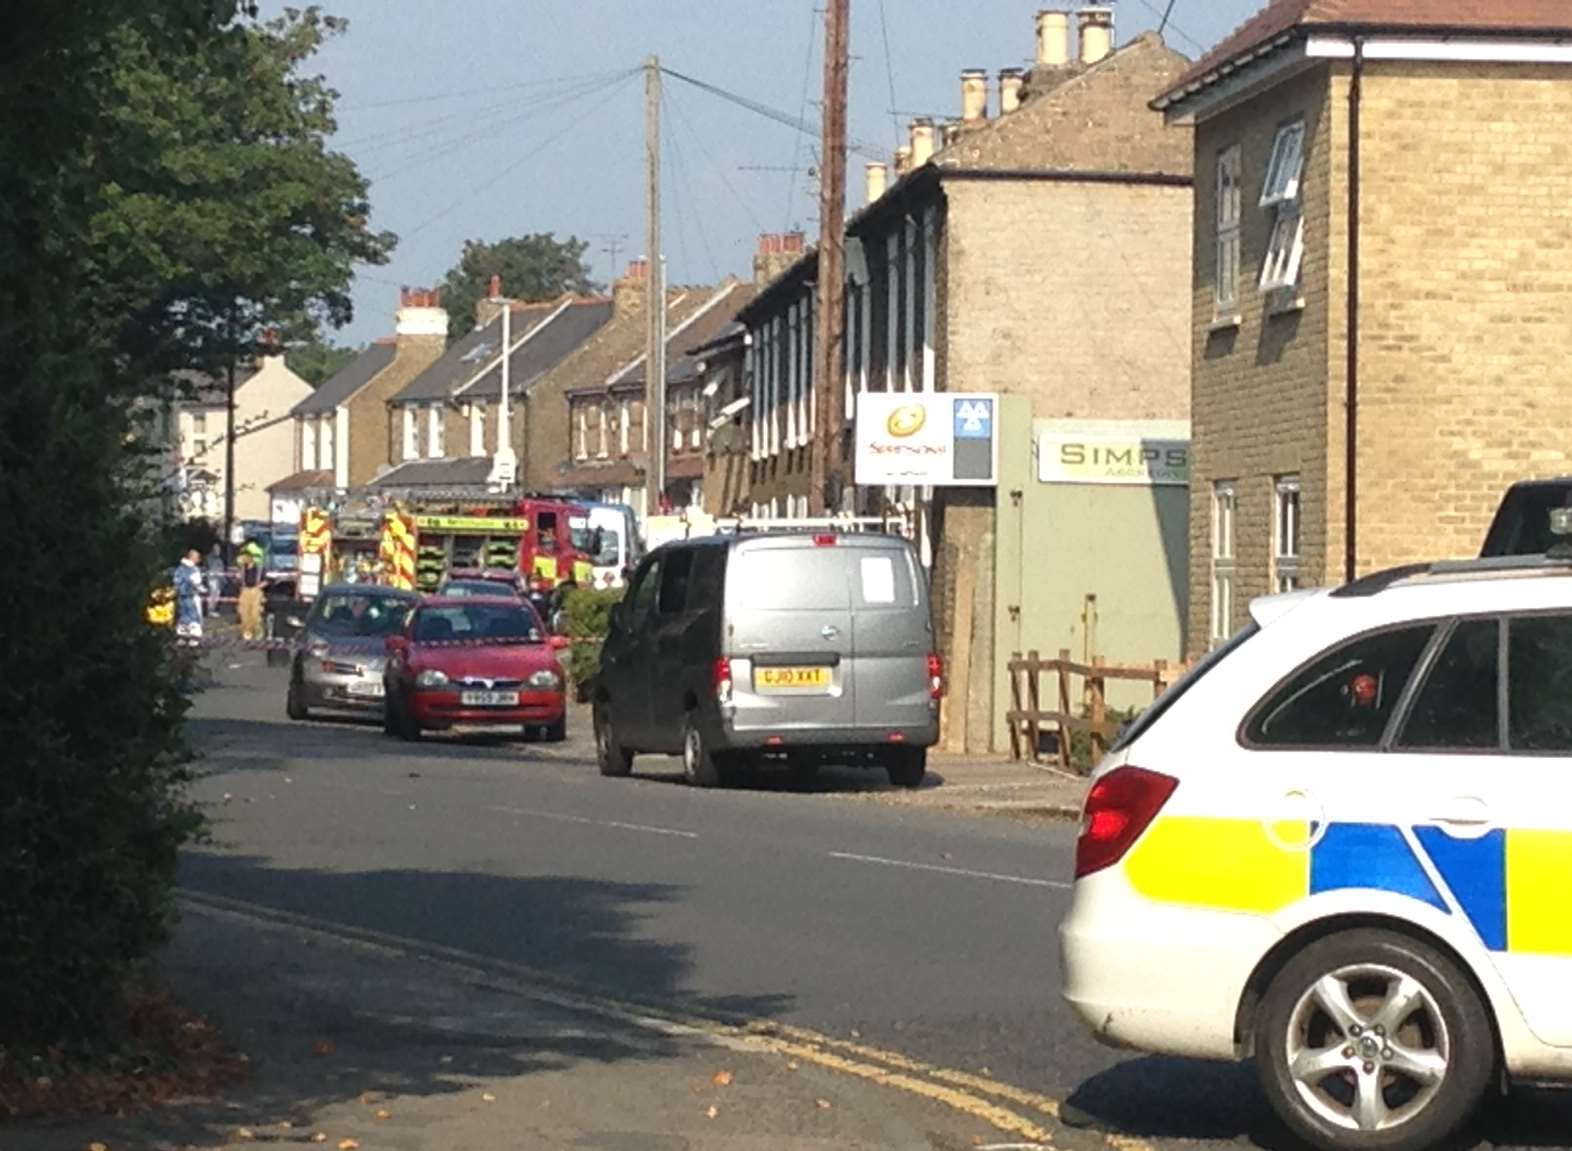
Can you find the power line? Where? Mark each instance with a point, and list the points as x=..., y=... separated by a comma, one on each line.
x=1166, y=22
x=680, y=120
x=680, y=165
x=889, y=72
x=796, y=123
x=807, y=75
x=508, y=170
x=460, y=93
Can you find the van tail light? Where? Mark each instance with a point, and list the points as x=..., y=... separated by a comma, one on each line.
x=720, y=678
x=1119, y=807
x=935, y=675
x=824, y=541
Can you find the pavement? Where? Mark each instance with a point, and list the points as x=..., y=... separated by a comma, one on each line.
x=503, y=949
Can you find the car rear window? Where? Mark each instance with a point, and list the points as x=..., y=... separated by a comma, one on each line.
x=791, y=579
x=501, y=623
x=1143, y=722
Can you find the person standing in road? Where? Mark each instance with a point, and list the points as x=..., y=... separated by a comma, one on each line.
x=188, y=599
x=250, y=595
x=215, y=579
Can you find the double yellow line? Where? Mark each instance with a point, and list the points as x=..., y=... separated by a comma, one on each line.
x=1015, y=1111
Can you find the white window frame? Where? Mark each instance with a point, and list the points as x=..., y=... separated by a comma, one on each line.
x=327, y=442
x=581, y=432
x=434, y=432
x=477, y=428
x=603, y=442
x=411, y=432
x=624, y=420
x=308, y=445
x=1287, y=534
x=1225, y=521
x=1229, y=200
x=199, y=423
x=1280, y=192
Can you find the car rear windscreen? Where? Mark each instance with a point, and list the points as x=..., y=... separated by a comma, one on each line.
x=791, y=579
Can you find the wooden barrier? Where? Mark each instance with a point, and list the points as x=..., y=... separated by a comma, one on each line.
x=1028, y=721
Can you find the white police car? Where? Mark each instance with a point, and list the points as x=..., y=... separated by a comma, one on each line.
x=1343, y=845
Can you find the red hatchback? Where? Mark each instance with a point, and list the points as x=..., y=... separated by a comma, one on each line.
x=474, y=662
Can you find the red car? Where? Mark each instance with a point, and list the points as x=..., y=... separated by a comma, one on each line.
x=474, y=661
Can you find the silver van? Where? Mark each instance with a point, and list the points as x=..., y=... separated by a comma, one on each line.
x=815, y=647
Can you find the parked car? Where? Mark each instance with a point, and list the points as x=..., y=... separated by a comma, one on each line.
x=813, y=647
x=467, y=661
x=338, y=655
x=1523, y=521
x=1340, y=845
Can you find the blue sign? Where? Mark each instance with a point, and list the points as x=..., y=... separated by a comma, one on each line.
x=973, y=419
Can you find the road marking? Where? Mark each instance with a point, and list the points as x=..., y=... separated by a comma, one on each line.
x=582, y=820
x=547, y=987
x=1027, y=881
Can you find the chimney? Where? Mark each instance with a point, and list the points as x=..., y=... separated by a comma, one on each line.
x=630, y=292
x=420, y=315
x=903, y=160
x=496, y=286
x=878, y=177
x=951, y=132
x=1053, y=38
x=922, y=138
x=1097, y=33
x=1010, y=82
x=974, y=95
x=777, y=251
x=490, y=306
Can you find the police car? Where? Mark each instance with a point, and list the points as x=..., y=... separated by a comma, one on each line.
x=1343, y=845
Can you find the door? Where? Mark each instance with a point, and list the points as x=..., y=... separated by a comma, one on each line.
x=626, y=661
x=669, y=681
x=789, y=633
x=892, y=635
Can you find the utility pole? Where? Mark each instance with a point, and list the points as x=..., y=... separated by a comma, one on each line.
x=829, y=371
x=655, y=351
x=229, y=447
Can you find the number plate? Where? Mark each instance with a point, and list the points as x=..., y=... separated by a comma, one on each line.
x=369, y=689
x=489, y=698
x=791, y=679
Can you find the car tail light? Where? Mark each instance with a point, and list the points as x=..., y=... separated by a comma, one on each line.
x=720, y=677
x=1119, y=807
x=824, y=541
x=935, y=675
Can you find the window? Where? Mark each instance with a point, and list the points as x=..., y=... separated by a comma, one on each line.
x=642, y=599
x=581, y=433
x=546, y=531
x=807, y=580
x=199, y=423
x=325, y=439
x=603, y=442
x=308, y=445
x=1539, y=677
x=1224, y=504
x=411, y=434
x=198, y=447
x=1458, y=707
x=477, y=429
x=623, y=420
x=1280, y=269
x=1285, y=534
x=1226, y=300
x=1344, y=698
x=434, y=432
x=674, y=586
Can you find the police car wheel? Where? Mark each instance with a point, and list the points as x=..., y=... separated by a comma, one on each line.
x=1369, y=1040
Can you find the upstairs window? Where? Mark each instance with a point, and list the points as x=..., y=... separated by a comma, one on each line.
x=1226, y=296
x=1225, y=497
x=1285, y=535
x=1280, y=193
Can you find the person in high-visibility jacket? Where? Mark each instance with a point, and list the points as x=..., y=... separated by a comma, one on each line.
x=250, y=606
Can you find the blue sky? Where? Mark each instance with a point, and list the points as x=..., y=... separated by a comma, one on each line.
x=489, y=118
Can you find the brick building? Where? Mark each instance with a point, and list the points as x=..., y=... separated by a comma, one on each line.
x=1042, y=252
x=1462, y=318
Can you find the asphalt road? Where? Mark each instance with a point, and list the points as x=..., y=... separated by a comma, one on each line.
x=927, y=933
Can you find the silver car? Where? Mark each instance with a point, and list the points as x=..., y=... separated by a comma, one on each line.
x=811, y=647
x=340, y=653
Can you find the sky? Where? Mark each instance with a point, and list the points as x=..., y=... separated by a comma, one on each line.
x=491, y=118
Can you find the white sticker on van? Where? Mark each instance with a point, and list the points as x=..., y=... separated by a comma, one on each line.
x=878, y=580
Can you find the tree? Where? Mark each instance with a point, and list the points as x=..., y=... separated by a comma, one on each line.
x=317, y=362
x=534, y=267
x=165, y=189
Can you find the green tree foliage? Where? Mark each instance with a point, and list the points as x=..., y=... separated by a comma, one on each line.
x=534, y=267
x=164, y=188
x=316, y=362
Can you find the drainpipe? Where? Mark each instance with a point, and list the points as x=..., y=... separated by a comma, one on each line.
x=1351, y=431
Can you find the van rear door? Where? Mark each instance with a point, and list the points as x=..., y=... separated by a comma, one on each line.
x=892, y=634
x=789, y=634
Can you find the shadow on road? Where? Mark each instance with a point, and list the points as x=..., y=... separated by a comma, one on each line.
x=832, y=779
x=1160, y=1098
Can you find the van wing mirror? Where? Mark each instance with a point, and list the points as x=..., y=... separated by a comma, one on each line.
x=396, y=645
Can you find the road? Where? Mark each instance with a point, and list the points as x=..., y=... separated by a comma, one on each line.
x=926, y=933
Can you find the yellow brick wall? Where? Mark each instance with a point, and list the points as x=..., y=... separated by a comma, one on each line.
x=1072, y=293
x=1466, y=299
x=371, y=434
x=1259, y=402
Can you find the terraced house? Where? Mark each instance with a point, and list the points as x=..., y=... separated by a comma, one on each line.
x=1382, y=299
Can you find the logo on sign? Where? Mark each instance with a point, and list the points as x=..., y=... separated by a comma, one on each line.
x=974, y=419
x=906, y=421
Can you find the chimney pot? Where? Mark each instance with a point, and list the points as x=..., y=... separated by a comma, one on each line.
x=951, y=131
x=878, y=178
x=974, y=95
x=903, y=160
x=638, y=269
x=1097, y=34
x=496, y=286
x=1010, y=82
x=1053, y=38
x=922, y=142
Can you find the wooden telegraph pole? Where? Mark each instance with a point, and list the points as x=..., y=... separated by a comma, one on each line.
x=655, y=285
x=829, y=358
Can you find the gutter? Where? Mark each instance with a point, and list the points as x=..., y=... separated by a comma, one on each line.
x=1351, y=430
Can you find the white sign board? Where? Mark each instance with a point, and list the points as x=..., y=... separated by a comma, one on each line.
x=1070, y=456
x=927, y=439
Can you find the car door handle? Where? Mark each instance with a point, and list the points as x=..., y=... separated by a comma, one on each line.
x=829, y=632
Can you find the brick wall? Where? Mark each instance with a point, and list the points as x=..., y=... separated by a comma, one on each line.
x=370, y=433
x=1073, y=293
x=1260, y=406
x=1466, y=299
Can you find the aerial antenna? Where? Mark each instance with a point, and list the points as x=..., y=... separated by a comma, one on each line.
x=1167, y=12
